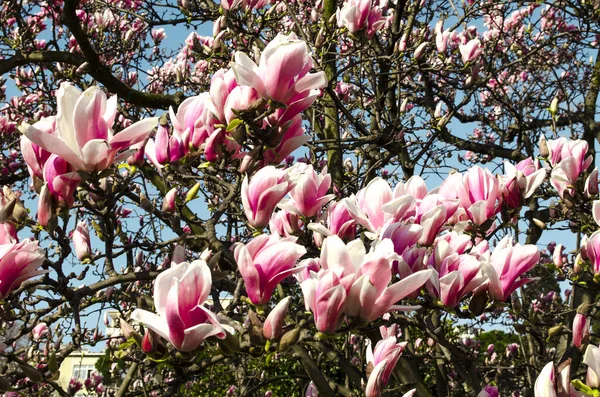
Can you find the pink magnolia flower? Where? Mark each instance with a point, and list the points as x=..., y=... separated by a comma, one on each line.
x=273, y=326
x=478, y=194
x=221, y=85
x=370, y=295
x=325, y=296
x=592, y=359
x=81, y=241
x=292, y=137
x=403, y=235
x=340, y=221
x=83, y=135
x=418, y=54
x=192, y=122
x=19, y=262
x=311, y=390
x=459, y=274
x=562, y=148
x=370, y=204
x=158, y=35
x=591, y=184
x=470, y=51
x=354, y=15
x=357, y=15
x=356, y=283
x=62, y=179
x=557, y=255
x=544, y=384
x=285, y=223
x=39, y=331
x=506, y=264
x=564, y=176
x=489, y=391
x=167, y=148
x=384, y=359
x=592, y=250
x=512, y=349
x=169, y=202
x=596, y=211
x=35, y=157
x=8, y=233
x=264, y=262
x=441, y=40
x=581, y=329
x=283, y=71
x=309, y=194
x=521, y=181
x=261, y=195
x=240, y=98
x=179, y=295
x=432, y=213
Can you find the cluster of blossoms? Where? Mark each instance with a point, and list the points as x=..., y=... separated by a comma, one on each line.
x=79, y=138
x=279, y=88
x=415, y=240
x=548, y=384
x=421, y=239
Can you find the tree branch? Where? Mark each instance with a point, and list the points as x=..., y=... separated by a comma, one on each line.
x=103, y=74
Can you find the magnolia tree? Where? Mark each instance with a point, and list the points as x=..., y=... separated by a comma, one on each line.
x=360, y=197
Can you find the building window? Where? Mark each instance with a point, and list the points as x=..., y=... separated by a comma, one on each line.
x=83, y=372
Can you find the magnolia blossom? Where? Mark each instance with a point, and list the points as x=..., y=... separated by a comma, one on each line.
x=441, y=40
x=458, y=273
x=569, y=161
x=564, y=177
x=261, y=195
x=581, y=329
x=325, y=296
x=478, y=191
x=562, y=148
x=273, y=326
x=285, y=223
x=81, y=241
x=192, y=122
x=592, y=251
x=83, y=135
x=596, y=212
x=179, y=295
x=35, y=157
x=592, y=359
x=264, y=262
x=340, y=221
x=283, y=71
x=39, y=331
x=383, y=358
x=521, y=181
x=376, y=203
x=309, y=194
x=356, y=283
x=356, y=15
x=169, y=202
x=591, y=184
x=489, y=391
x=544, y=384
x=62, y=179
x=470, y=51
x=167, y=148
x=19, y=262
x=506, y=264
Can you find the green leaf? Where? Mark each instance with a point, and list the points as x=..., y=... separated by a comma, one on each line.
x=234, y=124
